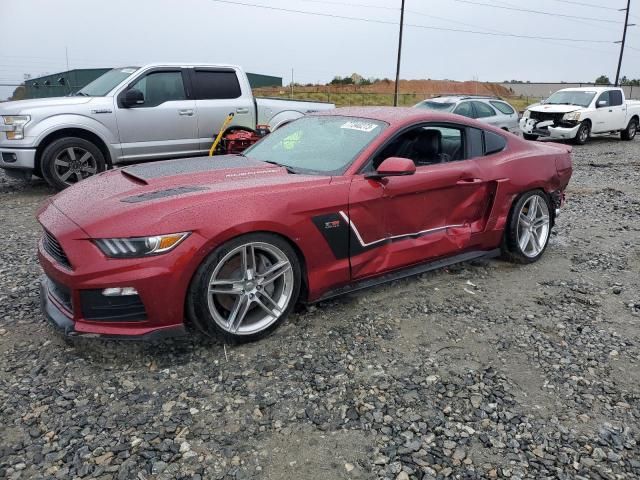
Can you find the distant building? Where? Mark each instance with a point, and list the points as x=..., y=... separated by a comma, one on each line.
x=64, y=83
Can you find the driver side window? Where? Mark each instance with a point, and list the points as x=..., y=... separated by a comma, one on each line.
x=160, y=87
x=604, y=97
x=425, y=145
x=465, y=109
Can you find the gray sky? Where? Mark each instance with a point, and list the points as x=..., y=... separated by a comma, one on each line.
x=125, y=32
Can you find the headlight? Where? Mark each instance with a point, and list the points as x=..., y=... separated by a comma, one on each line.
x=526, y=114
x=140, y=246
x=571, y=116
x=15, y=126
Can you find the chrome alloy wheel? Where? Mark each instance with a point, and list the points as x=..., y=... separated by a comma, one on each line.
x=250, y=288
x=73, y=164
x=533, y=226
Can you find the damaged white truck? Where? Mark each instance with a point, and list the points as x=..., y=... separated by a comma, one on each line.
x=578, y=113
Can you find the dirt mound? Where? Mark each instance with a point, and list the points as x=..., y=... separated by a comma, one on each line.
x=422, y=87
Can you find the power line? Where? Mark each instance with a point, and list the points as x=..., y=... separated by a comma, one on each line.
x=539, y=12
x=426, y=27
x=587, y=5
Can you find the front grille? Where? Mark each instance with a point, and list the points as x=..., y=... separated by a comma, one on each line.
x=53, y=248
x=60, y=293
x=97, y=307
x=544, y=116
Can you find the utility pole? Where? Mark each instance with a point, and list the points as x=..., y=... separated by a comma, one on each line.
x=624, y=39
x=395, y=97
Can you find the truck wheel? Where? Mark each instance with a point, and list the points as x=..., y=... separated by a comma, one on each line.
x=583, y=134
x=70, y=159
x=629, y=133
x=528, y=136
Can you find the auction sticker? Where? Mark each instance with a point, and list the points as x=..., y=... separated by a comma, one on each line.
x=360, y=126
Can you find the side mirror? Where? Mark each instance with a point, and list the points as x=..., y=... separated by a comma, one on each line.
x=133, y=97
x=394, y=167
x=602, y=103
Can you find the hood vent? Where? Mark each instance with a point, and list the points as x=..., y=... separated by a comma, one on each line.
x=170, y=192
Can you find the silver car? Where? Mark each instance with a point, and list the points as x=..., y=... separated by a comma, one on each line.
x=491, y=110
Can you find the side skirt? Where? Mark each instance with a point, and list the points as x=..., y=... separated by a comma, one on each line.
x=408, y=272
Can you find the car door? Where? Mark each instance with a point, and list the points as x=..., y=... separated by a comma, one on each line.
x=163, y=125
x=218, y=93
x=485, y=113
x=617, y=110
x=400, y=221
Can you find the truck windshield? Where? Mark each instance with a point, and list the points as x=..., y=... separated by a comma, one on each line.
x=322, y=145
x=439, y=106
x=571, y=97
x=106, y=82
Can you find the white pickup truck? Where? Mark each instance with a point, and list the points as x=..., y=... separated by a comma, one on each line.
x=133, y=114
x=577, y=113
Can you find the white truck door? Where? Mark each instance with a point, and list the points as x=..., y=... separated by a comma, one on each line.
x=607, y=117
x=163, y=125
x=218, y=92
x=619, y=110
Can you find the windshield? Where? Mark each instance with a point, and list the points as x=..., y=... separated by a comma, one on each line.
x=322, y=145
x=571, y=97
x=106, y=82
x=440, y=106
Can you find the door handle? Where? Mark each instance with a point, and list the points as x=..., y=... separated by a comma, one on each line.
x=185, y=113
x=242, y=110
x=468, y=181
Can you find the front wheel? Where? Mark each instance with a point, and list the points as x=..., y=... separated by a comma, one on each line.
x=528, y=229
x=245, y=288
x=583, y=134
x=528, y=136
x=68, y=160
x=629, y=133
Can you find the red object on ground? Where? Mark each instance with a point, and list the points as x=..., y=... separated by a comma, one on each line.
x=346, y=228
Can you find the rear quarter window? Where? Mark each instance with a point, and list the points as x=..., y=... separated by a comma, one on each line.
x=503, y=107
x=493, y=143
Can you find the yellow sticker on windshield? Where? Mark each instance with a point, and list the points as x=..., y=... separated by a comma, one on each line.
x=290, y=142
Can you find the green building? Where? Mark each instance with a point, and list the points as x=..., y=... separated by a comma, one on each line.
x=64, y=83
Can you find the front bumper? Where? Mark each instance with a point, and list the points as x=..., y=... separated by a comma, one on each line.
x=530, y=126
x=76, y=272
x=17, y=158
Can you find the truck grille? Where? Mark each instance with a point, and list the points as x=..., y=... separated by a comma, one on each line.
x=544, y=116
x=53, y=248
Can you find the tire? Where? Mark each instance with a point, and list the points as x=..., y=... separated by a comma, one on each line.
x=528, y=136
x=69, y=160
x=629, y=133
x=517, y=246
x=261, y=301
x=582, y=136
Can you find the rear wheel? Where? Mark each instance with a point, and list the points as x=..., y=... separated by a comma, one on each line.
x=68, y=160
x=529, y=228
x=583, y=134
x=629, y=133
x=528, y=136
x=245, y=288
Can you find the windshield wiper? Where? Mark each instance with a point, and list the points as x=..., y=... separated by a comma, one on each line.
x=286, y=167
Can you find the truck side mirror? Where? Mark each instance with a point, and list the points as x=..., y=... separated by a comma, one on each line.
x=133, y=97
x=602, y=103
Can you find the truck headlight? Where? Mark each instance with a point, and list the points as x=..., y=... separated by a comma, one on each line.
x=571, y=116
x=526, y=114
x=140, y=246
x=14, y=126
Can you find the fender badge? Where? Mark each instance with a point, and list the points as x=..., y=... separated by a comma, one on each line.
x=105, y=110
x=332, y=224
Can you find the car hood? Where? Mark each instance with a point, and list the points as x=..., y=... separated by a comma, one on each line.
x=139, y=199
x=21, y=106
x=546, y=108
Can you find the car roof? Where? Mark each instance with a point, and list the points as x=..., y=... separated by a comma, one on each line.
x=393, y=115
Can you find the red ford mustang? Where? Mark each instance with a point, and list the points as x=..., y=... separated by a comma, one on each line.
x=328, y=204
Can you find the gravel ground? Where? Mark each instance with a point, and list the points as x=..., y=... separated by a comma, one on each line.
x=484, y=370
